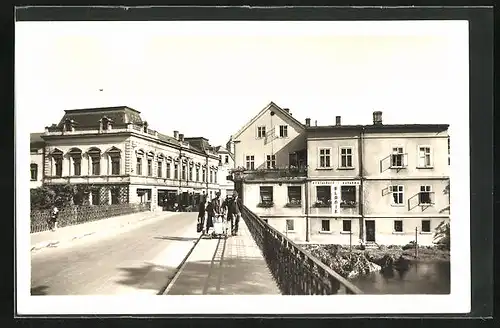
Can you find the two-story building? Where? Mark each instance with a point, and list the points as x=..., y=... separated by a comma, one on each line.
x=112, y=156
x=270, y=167
x=384, y=184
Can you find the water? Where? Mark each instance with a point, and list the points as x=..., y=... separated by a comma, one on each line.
x=418, y=278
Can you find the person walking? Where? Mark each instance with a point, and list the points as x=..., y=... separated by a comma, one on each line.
x=53, y=218
x=202, y=213
x=235, y=207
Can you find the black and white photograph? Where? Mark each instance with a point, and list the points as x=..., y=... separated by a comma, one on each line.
x=208, y=167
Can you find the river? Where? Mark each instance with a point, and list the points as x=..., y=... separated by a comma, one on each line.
x=419, y=278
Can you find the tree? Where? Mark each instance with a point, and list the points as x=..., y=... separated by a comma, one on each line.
x=46, y=197
x=442, y=234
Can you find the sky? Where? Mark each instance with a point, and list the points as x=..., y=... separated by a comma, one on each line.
x=210, y=78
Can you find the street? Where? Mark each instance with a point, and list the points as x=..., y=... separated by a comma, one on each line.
x=140, y=260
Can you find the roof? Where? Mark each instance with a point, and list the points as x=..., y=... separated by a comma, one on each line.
x=381, y=128
x=89, y=117
x=36, y=138
x=256, y=117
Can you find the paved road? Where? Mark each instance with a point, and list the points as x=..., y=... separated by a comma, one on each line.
x=121, y=264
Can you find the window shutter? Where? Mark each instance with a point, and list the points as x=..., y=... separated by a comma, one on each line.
x=421, y=157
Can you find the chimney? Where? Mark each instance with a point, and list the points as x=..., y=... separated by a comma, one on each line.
x=181, y=137
x=377, y=118
x=287, y=110
x=337, y=120
x=176, y=135
x=308, y=122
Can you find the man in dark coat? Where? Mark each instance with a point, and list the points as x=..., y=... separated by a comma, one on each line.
x=234, y=212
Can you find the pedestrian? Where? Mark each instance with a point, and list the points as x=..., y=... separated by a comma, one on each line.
x=235, y=207
x=53, y=218
x=202, y=213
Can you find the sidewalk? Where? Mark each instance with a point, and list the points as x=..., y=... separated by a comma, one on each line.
x=49, y=238
x=234, y=268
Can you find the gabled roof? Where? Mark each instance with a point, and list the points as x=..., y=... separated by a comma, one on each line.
x=36, y=138
x=264, y=110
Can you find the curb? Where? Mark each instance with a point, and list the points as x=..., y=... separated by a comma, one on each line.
x=53, y=243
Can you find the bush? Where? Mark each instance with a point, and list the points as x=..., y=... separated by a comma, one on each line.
x=44, y=197
x=442, y=235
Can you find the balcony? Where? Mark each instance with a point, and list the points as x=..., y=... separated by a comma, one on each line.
x=279, y=173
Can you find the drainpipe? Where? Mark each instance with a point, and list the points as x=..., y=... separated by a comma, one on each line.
x=361, y=184
x=306, y=196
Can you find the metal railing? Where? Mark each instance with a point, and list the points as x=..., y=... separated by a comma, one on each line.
x=296, y=271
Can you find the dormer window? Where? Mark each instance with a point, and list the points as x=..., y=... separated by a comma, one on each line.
x=106, y=123
x=69, y=125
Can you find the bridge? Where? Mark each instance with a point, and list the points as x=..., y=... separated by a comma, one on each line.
x=260, y=260
x=161, y=254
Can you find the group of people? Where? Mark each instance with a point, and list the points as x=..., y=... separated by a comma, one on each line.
x=228, y=209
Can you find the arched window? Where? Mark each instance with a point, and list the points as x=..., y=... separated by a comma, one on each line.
x=115, y=159
x=150, y=163
x=34, y=172
x=76, y=157
x=160, y=165
x=57, y=157
x=95, y=156
x=139, y=156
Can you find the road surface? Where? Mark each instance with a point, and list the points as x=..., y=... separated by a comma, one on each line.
x=124, y=263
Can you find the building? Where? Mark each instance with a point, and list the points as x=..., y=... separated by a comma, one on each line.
x=112, y=156
x=270, y=167
x=226, y=164
x=378, y=183
x=37, y=154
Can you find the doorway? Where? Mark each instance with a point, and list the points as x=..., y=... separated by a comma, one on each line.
x=370, y=230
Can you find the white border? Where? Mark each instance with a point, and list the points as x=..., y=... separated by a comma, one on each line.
x=457, y=302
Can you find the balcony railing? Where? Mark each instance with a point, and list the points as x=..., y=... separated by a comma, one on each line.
x=295, y=270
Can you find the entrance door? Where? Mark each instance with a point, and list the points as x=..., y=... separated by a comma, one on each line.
x=370, y=230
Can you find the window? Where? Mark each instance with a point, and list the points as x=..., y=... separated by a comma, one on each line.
x=424, y=156
x=266, y=195
x=292, y=159
x=324, y=196
x=261, y=132
x=115, y=196
x=204, y=175
x=324, y=157
x=190, y=173
x=346, y=225
x=77, y=166
x=95, y=155
x=425, y=195
x=250, y=162
x=34, y=172
x=95, y=198
x=283, y=131
x=183, y=172
x=347, y=196
x=139, y=166
x=426, y=225
x=294, y=195
x=397, y=157
x=197, y=174
x=220, y=159
x=226, y=159
x=271, y=161
x=345, y=157
x=115, y=162
x=150, y=167
x=176, y=171
x=398, y=226
x=290, y=225
x=325, y=225
x=58, y=166
x=211, y=176
x=168, y=170
x=397, y=194
x=160, y=169
x=215, y=177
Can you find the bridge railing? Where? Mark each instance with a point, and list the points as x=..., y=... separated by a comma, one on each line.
x=296, y=271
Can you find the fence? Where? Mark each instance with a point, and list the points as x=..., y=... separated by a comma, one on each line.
x=80, y=214
x=295, y=270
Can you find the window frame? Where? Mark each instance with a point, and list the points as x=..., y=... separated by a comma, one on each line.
x=422, y=226
x=402, y=154
x=343, y=226
x=429, y=192
x=263, y=203
x=297, y=203
x=261, y=132
x=329, y=230
x=394, y=227
x=286, y=225
x=351, y=155
x=431, y=157
x=33, y=169
x=159, y=168
x=283, y=131
x=270, y=159
x=329, y=167
x=402, y=192
x=250, y=159
x=328, y=200
x=351, y=203
x=168, y=170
